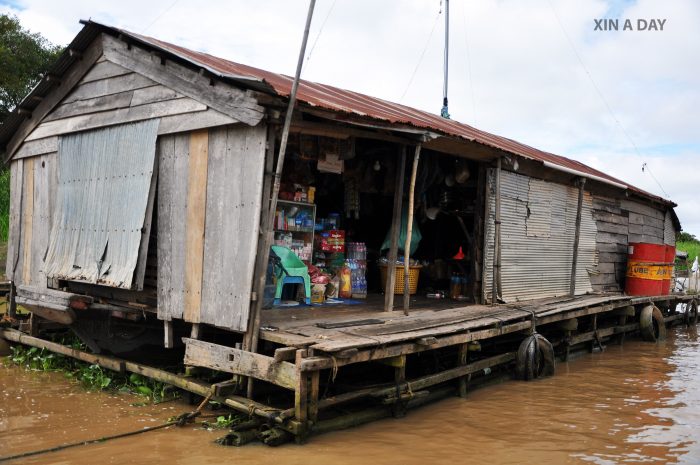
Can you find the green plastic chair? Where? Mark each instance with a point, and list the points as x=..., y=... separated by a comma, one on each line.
x=295, y=271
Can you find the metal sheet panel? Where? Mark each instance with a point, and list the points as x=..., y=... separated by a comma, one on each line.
x=539, y=266
x=669, y=230
x=346, y=103
x=351, y=104
x=104, y=178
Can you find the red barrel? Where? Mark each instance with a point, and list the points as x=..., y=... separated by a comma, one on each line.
x=649, y=268
x=671, y=262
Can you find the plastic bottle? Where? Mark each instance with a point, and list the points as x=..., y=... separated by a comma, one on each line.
x=345, y=282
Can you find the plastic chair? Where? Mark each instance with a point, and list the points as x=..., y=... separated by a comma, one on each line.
x=295, y=271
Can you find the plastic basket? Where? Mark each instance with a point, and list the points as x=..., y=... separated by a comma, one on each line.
x=413, y=274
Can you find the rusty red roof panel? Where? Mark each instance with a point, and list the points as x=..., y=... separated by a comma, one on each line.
x=354, y=103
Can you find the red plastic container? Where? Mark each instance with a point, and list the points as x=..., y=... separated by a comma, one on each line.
x=649, y=268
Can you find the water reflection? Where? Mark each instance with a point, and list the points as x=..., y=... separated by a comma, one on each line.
x=639, y=403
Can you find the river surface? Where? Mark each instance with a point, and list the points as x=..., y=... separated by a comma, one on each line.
x=634, y=404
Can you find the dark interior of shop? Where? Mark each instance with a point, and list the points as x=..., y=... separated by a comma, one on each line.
x=343, y=190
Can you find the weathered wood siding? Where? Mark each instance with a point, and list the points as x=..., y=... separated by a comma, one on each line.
x=110, y=94
x=619, y=222
x=113, y=84
x=32, y=194
x=538, y=220
x=208, y=216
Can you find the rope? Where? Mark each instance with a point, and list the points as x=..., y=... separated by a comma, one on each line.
x=334, y=371
x=645, y=166
x=420, y=59
x=85, y=443
x=180, y=420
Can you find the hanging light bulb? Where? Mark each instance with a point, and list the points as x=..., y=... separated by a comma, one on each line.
x=377, y=166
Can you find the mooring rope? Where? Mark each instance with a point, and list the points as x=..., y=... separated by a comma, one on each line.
x=180, y=420
x=87, y=442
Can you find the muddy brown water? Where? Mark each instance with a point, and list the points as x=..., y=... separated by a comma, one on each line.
x=634, y=404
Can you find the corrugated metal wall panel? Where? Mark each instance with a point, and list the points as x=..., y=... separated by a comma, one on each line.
x=104, y=178
x=669, y=230
x=538, y=266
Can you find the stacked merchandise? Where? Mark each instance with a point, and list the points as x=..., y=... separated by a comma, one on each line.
x=294, y=228
x=357, y=263
x=332, y=241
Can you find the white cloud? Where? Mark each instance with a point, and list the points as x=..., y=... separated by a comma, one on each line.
x=527, y=82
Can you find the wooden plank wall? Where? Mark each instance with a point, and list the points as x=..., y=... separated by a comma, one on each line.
x=194, y=237
x=208, y=215
x=619, y=222
x=32, y=193
x=110, y=94
x=235, y=179
x=173, y=166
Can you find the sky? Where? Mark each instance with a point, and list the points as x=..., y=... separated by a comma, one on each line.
x=536, y=71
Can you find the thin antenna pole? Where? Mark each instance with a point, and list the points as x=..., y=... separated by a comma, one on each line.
x=444, y=112
x=266, y=237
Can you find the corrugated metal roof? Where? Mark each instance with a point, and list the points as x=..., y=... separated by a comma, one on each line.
x=340, y=100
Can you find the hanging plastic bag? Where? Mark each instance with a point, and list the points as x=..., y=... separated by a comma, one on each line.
x=416, y=235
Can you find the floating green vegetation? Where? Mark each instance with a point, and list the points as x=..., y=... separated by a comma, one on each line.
x=223, y=422
x=92, y=377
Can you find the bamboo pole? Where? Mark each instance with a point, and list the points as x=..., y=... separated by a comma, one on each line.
x=252, y=336
x=409, y=231
x=238, y=403
x=395, y=232
x=497, y=238
x=577, y=235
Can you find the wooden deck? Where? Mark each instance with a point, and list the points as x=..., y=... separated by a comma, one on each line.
x=336, y=329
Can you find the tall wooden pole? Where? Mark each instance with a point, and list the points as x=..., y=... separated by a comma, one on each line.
x=577, y=235
x=497, y=238
x=409, y=231
x=267, y=233
x=395, y=232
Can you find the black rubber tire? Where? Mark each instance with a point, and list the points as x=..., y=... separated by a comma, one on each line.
x=691, y=313
x=652, y=327
x=534, y=359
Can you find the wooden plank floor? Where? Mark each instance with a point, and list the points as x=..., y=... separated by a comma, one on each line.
x=336, y=328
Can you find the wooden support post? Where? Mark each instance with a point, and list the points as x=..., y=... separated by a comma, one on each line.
x=398, y=408
x=594, y=325
x=238, y=403
x=252, y=336
x=577, y=235
x=301, y=396
x=264, y=243
x=463, y=352
x=314, y=379
x=622, y=322
x=168, y=340
x=496, y=285
x=33, y=325
x=395, y=232
x=195, y=333
x=12, y=304
x=477, y=252
x=409, y=231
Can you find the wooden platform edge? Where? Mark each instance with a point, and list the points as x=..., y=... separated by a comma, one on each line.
x=240, y=362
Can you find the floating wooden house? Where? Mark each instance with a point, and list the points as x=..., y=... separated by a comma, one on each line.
x=141, y=180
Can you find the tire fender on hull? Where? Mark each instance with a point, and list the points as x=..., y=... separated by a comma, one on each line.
x=652, y=327
x=535, y=358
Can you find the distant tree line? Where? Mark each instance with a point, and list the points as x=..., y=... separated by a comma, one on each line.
x=25, y=56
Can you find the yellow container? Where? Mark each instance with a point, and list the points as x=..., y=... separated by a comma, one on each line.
x=413, y=274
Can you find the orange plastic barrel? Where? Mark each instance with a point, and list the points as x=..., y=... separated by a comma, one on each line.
x=648, y=269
